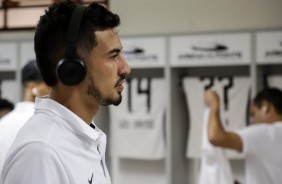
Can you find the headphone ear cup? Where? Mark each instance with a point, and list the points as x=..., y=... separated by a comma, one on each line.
x=71, y=72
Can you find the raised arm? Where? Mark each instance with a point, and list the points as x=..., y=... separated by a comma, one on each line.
x=216, y=133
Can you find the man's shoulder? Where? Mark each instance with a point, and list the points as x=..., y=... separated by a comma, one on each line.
x=261, y=131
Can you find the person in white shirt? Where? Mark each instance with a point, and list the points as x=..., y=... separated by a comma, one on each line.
x=79, y=54
x=11, y=123
x=260, y=142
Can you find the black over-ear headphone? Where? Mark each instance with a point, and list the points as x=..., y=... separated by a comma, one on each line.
x=71, y=69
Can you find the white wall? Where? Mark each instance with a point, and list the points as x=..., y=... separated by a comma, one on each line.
x=175, y=16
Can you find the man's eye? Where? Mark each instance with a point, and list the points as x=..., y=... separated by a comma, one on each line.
x=113, y=56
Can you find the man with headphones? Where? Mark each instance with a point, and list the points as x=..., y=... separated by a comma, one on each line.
x=260, y=143
x=78, y=52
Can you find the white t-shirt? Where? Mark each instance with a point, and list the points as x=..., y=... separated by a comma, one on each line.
x=262, y=149
x=10, y=124
x=56, y=147
x=137, y=125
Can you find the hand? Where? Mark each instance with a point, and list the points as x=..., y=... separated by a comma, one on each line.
x=211, y=99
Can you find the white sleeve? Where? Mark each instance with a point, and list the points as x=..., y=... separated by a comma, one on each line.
x=251, y=136
x=241, y=133
x=33, y=164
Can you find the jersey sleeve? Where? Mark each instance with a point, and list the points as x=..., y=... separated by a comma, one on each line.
x=34, y=163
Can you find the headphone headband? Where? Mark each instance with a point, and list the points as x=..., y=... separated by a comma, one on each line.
x=73, y=31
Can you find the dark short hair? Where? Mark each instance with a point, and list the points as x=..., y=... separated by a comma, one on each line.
x=6, y=104
x=51, y=31
x=30, y=72
x=271, y=95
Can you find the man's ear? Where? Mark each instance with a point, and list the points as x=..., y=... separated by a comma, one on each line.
x=264, y=109
x=35, y=91
x=265, y=106
x=31, y=86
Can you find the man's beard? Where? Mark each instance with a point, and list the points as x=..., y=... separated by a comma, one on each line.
x=94, y=92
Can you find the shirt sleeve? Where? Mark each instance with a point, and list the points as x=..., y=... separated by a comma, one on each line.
x=252, y=138
x=33, y=164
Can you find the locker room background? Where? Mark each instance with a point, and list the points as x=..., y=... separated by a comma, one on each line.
x=154, y=26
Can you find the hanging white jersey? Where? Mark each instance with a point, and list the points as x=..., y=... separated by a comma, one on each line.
x=194, y=91
x=215, y=166
x=234, y=93
x=137, y=124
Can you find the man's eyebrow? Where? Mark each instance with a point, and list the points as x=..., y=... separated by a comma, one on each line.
x=116, y=50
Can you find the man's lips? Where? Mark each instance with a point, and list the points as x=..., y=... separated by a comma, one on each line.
x=120, y=88
x=119, y=85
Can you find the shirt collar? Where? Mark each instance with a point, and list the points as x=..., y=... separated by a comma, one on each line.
x=69, y=118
